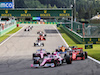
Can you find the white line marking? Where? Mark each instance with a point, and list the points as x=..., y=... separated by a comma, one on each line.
x=11, y=36
x=94, y=59
x=68, y=46
x=61, y=36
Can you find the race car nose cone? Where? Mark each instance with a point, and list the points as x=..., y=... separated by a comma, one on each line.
x=31, y=65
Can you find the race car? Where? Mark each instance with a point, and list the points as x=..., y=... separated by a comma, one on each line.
x=41, y=53
x=62, y=48
x=31, y=27
x=41, y=33
x=51, y=60
x=28, y=28
x=38, y=43
x=41, y=38
x=78, y=54
x=65, y=55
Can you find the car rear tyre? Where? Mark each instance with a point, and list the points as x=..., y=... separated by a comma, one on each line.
x=53, y=61
x=38, y=38
x=25, y=30
x=45, y=35
x=56, y=50
x=34, y=44
x=42, y=44
x=85, y=55
x=68, y=60
x=36, y=62
x=48, y=53
x=44, y=38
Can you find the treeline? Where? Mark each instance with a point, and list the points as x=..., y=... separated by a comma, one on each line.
x=85, y=8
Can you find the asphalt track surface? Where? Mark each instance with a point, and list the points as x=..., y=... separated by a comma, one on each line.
x=16, y=55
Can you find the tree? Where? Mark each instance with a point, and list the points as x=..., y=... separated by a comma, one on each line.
x=84, y=8
x=33, y=4
x=81, y=13
x=54, y=6
x=5, y=0
x=20, y=4
x=49, y=6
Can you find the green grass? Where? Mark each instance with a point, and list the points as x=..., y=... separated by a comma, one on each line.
x=2, y=38
x=94, y=52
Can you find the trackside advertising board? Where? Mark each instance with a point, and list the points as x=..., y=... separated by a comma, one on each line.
x=6, y=5
x=36, y=12
x=36, y=18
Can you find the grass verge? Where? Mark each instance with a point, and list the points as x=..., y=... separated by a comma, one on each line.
x=95, y=52
x=2, y=38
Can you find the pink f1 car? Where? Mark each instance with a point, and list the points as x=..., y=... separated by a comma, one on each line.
x=51, y=60
x=40, y=53
x=48, y=61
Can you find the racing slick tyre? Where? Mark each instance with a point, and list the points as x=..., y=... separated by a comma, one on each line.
x=85, y=55
x=65, y=49
x=53, y=61
x=45, y=55
x=48, y=53
x=44, y=38
x=38, y=38
x=82, y=56
x=38, y=32
x=60, y=50
x=36, y=62
x=34, y=44
x=34, y=55
x=24, y=29
x=42, y=44
x=56, y=50
x=68, y=60
x=45, y=35
x=28, y=30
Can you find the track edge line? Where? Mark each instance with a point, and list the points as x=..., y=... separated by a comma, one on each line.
x=68, y=46
x=11, y=36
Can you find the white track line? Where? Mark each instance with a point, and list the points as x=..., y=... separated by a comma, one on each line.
x=94, y=59
x=11, y=36
x=61, y=36
x=68, y=46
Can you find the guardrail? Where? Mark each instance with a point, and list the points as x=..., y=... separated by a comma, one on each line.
x=80, y=39
x=29, y=22
x=7, y=26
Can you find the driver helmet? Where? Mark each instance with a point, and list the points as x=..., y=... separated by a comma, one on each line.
x=54, y=53
x=62, y=45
